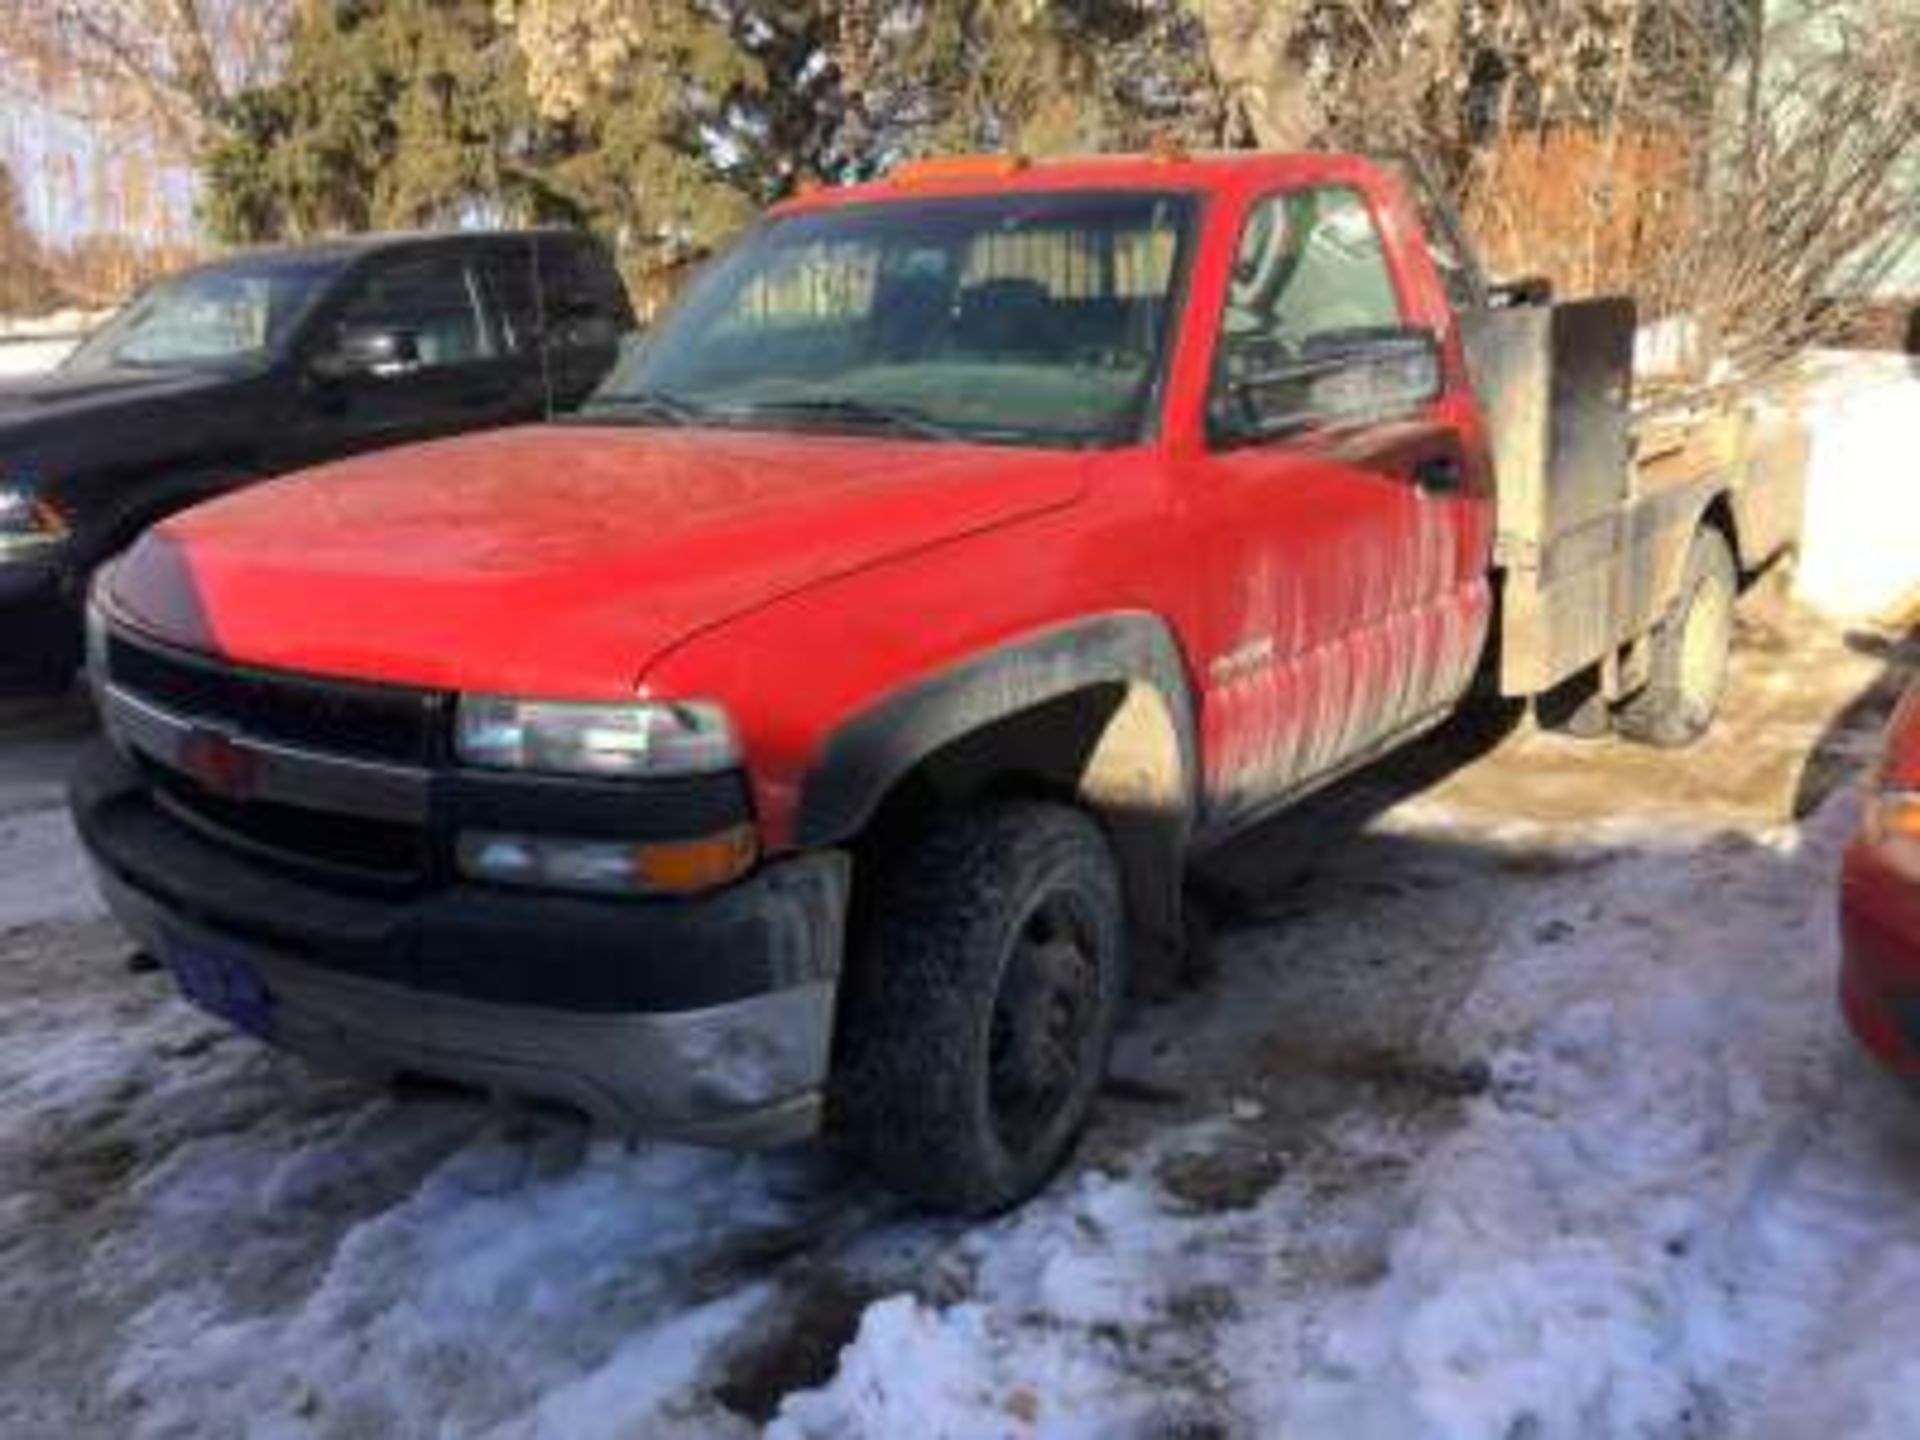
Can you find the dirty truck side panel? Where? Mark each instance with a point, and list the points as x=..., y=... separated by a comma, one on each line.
x=1337, y=614
x=1554, y=382
x=1345, y=592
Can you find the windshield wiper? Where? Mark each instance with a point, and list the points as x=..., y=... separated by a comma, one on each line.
x=902, y=418
x=658, y=404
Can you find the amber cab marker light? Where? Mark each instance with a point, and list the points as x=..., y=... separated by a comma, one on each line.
x=1165, y=150
x=938, y=169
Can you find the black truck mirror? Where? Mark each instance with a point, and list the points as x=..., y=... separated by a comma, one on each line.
x=1527, y=290
x=1353, y=377
x=382, y=352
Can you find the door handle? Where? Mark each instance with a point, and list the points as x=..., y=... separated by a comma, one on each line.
x=1439, y=475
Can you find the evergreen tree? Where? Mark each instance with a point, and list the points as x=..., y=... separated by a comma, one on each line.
x=665, y=124
x=388, y=113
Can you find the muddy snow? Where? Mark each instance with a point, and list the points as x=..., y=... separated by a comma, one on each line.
x=1515, y=1106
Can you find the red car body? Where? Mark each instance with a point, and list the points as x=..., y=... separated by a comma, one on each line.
x=1880, y=906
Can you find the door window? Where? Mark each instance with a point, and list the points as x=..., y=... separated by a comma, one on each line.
x=585, y=302
x=516, y=306
x=432, y=298
x=1310, y=287
x=1310, y=268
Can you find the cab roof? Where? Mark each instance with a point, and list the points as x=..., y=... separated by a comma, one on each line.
x=1195, y=172
x=345, y=249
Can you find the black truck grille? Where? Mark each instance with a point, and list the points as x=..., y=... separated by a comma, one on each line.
x=366, y=722
x=384, y=722
x=372, y=853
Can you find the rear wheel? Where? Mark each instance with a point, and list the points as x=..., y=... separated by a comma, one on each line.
x=979, y=1016
x=1690, y=651
x=1575, y=707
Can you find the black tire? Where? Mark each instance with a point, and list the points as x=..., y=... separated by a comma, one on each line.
x=1575, y=708
x=1690, y=651
x=982, y=1004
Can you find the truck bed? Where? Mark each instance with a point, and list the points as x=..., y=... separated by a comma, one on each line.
x=1597, y=506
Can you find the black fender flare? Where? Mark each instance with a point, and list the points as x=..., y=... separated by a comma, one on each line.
x=876, y=748
x=1141, y=776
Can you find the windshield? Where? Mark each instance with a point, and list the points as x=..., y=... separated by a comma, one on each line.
x=1016, y=319
x=207, y=318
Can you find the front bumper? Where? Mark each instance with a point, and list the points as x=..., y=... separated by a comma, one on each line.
x=1880, y=958
x=705, y=1020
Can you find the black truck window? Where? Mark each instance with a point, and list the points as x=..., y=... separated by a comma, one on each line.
x=508, y=273
x=1310, y=272
x=586, y=305
x=430, y=296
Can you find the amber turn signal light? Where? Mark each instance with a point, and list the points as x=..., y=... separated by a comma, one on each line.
x=685, y=867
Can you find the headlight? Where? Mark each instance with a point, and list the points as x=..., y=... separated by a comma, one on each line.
x=27, y=522
x=565, y=738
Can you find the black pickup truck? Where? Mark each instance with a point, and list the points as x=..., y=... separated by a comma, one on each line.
x=271, y=361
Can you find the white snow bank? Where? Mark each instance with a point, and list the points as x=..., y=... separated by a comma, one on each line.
x=491, y=1283
x=1861, y=552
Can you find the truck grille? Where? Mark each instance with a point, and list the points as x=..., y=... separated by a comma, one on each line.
x=374, y=853
x=385, y=724
x=372, y=721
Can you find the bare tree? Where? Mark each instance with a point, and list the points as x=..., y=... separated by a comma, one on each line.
x=161, y=70
x=1731, y=176
x=25, y=285
x=1814, y=198
x=1268, y=95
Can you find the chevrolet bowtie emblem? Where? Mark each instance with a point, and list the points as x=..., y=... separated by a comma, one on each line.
x=220, y=763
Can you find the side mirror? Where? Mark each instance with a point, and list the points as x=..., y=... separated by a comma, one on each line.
x=1528, y=290
x=370, y=350
x=1358, y=377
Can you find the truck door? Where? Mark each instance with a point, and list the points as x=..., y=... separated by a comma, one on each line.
x=454, y=375
x=587, y=315
x=1340, y=603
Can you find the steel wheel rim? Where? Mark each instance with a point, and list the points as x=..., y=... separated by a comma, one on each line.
x=1042, y=1016
x=1703, y=646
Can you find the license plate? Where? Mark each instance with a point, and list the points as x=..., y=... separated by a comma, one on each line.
x=222, y=982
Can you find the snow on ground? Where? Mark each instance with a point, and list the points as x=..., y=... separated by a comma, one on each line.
x=1862, y=525
x=42, y=876
x=30, y=346
x=1497, y=1120
x=31, y=357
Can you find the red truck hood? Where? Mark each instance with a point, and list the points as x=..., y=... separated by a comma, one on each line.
x=558, y=560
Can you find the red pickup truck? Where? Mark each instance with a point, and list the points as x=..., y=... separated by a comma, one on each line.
x=815, y=730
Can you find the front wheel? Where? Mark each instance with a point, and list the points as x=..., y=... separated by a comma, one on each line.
x=981, y=1009
x=1690, y=651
